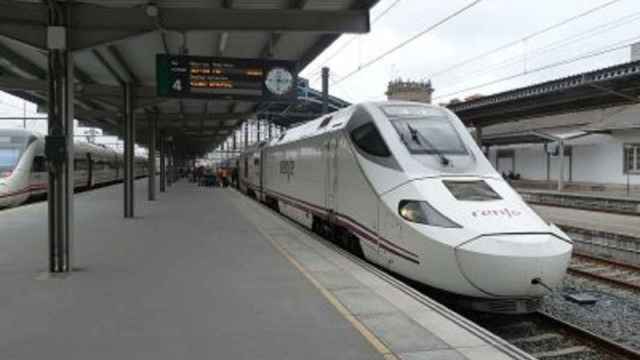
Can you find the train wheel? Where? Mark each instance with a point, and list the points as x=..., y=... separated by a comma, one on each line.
x=354, y=245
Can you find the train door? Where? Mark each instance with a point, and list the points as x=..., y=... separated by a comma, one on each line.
x=389, y=231
x=90, y=182
x=331, y=180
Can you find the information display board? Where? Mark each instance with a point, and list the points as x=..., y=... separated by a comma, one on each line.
x=227, y=78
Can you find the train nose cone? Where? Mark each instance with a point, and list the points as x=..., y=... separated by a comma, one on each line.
x=505, y=265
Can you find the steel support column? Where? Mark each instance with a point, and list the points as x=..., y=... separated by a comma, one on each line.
x=235, y=141
x=169, y=163
x=129, y=144
x=561, y=172
x=153, y=131
x=325, y=90
x=163, y=163
x=59, y=149
x=478, y=135
x=246, y=134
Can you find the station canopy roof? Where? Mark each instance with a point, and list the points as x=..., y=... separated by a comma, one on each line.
x=603, y=88
x=116, y=42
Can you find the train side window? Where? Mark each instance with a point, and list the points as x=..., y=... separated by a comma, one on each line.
x=325, y=121
x=246, y=167
x=368, y=139
x=256, y=161
x=39, y=164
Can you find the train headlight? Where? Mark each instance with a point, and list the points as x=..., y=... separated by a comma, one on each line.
x=423, y=213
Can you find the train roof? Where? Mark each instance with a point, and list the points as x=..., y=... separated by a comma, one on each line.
x=80, y=146
x=19, y=132
x=331, y=122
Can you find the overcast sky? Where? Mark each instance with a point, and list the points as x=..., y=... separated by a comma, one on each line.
x=488, y=25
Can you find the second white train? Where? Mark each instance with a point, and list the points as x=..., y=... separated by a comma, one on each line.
x=23, y=169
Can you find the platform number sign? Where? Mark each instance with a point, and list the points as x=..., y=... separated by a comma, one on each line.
x=177, y=85
x=227, y=78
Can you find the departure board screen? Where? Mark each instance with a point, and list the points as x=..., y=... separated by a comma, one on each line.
x=228, y=78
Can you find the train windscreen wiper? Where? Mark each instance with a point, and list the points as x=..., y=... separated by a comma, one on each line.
x=416, y=136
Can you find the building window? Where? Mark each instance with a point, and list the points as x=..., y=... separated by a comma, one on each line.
x=631, y=158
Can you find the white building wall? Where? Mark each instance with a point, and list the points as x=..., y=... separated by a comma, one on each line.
x=531, y=162
x=599, y=163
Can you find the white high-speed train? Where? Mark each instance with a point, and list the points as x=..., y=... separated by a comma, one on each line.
x=23, y=170
x=405, y=185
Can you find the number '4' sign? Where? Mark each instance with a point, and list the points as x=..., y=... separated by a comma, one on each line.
x=177, y=85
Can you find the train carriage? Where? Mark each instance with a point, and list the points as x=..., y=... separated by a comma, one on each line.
x=23, y=167
x=405, y=185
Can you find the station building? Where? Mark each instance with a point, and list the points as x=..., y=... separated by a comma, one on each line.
x=601, y=148
x=585, y=127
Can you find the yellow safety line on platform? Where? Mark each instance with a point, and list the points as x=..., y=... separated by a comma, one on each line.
x=371, y=338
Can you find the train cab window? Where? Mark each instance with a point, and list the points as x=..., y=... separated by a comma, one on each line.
x=368, y=139
x=39, y=164
x=476, y=190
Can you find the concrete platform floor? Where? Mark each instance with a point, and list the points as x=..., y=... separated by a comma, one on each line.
x=188, y=279
x=207, y=273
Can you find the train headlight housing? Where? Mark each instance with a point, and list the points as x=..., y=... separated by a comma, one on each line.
x=423, y=213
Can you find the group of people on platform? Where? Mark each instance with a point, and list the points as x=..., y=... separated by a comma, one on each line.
x=205, y=176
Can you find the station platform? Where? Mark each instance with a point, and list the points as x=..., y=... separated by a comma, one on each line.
x=604, y=201
x=620, y=224
x=206, y=273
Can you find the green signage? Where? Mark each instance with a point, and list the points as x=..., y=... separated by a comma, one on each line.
x=227, y=78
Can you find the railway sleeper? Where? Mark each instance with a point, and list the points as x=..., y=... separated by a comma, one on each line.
x=537, y=338
x=548, y=345
x=563, y=353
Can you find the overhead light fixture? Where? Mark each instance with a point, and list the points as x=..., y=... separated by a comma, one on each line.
x=152, y=10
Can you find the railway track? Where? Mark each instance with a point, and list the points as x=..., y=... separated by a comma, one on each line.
x=544, y=336
x=609, y=271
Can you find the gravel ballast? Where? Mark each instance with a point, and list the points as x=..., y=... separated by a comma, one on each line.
x=615, y=315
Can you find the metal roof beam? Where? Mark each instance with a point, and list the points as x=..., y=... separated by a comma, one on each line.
x=274, y=38
x=112, y=71
x=20, y=63
x=24, y=22
x=94, y=25
x=631, y=98
x=316, y=49
x=15, y=83
x=91, y=18
x=122, y=64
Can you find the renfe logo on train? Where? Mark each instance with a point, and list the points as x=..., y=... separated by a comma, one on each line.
x=496, y=212
x=286, y=168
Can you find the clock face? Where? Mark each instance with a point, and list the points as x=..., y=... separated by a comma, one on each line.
x=279, y=81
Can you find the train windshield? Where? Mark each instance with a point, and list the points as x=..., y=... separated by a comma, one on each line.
x=11, y=148
x=425, y=130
